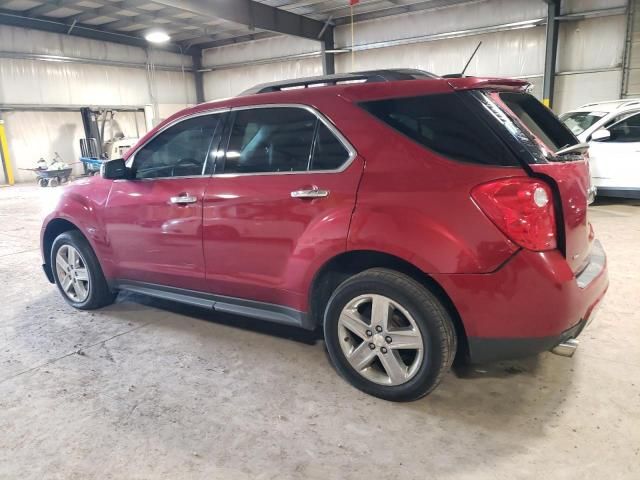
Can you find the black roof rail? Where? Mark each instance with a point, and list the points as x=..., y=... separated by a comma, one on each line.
x=391, y=75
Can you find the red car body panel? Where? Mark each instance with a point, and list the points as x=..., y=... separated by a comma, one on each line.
x=246, y=237
x=82, y=204
x=153, y=240
x=262, y=244
x=539, y=286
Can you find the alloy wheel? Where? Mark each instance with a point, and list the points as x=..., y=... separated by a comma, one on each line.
x=73, y=274
x=380, y=339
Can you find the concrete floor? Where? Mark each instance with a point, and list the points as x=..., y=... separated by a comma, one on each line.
x=148, y=390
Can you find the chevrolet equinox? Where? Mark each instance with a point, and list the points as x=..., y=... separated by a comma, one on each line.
x=412, y=218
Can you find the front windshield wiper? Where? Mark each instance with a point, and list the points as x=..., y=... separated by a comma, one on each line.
x=577, y=148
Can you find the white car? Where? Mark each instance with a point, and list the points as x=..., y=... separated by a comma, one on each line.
x=612, y=130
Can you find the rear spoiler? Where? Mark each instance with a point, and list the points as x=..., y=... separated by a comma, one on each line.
x=475, y=83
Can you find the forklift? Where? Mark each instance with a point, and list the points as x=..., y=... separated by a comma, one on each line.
x=94, y=148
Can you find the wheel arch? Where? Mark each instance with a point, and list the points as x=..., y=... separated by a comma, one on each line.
x=54, y=228
x=342, y=266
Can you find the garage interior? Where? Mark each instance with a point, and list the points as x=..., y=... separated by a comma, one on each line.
x=150, y=389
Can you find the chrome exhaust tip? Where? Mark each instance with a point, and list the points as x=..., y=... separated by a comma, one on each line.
x=566, y=348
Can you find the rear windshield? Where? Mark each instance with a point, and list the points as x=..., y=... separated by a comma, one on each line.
x=538, y=120
x=578, y=122
x=444, y=124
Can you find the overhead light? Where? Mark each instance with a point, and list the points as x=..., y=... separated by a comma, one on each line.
x=157, y=36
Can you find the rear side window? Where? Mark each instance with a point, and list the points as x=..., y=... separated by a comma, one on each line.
x=282, y=139
x=444, y=124
x=328, y=152
x=270, y=140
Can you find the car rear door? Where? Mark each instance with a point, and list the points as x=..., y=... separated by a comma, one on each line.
x=615, y=162
x=153, y=221
x=280, y=201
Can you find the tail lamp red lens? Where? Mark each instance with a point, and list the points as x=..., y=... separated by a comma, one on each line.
x=522, y=208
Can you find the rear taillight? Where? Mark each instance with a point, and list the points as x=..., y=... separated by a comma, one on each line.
x=522, y=208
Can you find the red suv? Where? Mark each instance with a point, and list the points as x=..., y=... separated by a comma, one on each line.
x=411, y=217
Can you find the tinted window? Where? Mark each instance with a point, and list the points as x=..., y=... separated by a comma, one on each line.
x=179, y=151
x=270, y=140
x=328, y=152
x=539, y=120
x=443, y=124
x=627, y=130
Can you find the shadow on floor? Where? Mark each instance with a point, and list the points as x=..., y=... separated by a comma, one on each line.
x=502, y=369
x=602, y=201
x=245, y=323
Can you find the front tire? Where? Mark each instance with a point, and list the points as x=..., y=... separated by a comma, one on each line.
x=388, y=335
x=77, y=272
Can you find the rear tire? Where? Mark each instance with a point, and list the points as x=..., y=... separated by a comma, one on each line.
x=77, y=272
x=388, y=335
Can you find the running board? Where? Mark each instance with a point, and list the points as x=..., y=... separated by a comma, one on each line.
x=235, y=306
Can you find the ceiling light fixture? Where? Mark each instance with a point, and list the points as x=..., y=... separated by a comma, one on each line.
x=157, y=36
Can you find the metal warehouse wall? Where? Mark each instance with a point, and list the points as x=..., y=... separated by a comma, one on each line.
x=92, y=73
x=589, y=58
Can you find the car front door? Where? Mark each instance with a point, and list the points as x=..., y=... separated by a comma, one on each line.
x=615, y=162
x=153, y=221
x=280, y=201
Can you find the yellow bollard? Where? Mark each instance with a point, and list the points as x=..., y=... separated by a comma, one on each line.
x=4, y=153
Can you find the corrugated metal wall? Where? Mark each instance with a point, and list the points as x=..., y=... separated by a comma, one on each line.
x=589, y=57
x=589, y=64
x=26, y=81
x=631, y=82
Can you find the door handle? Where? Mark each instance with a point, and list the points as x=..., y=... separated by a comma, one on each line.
x=183, y=200
x=313, y=192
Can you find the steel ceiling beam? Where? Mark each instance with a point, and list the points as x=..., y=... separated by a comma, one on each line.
x=400, y=9
x=358, y=17
x=239, y=39
x=253, y=14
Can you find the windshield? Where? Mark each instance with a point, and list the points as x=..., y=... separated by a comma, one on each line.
x=578, y=122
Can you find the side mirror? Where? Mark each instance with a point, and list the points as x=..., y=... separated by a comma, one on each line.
x=601, y=135
x=115, y=169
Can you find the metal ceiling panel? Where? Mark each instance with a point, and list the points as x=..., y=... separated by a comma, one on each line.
x=202, y=22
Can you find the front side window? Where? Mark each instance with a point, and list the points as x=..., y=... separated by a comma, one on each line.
x=627, y=130
x=179, y=151
x=442, y=123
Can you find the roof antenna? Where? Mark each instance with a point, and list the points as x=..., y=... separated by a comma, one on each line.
x=461, y=74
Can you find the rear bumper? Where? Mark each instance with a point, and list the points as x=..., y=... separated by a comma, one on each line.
x=529, y=305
